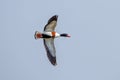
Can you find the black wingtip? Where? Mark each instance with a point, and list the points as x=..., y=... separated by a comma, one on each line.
x=52, y=59
x=53, y=18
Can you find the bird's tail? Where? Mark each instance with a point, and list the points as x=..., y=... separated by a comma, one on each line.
x=37, y=35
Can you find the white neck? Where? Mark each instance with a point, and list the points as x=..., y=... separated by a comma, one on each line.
x=57, y=35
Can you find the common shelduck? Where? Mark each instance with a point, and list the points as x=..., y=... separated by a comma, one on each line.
x=48, y=38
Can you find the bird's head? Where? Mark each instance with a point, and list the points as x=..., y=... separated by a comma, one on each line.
x=64, y=35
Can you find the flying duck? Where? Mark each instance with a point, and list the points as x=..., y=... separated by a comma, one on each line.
x=48, y=36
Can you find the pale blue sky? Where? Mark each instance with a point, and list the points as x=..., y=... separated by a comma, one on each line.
x=92, y=52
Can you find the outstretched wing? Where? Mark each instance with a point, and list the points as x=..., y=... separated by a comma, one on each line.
x=52, y=22
x=50, y=49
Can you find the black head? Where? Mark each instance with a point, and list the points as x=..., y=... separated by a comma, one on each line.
x=64, y=35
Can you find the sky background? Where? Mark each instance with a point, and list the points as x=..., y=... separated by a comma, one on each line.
x=92, y=52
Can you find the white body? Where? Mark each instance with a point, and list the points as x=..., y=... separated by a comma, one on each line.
x=50, y=34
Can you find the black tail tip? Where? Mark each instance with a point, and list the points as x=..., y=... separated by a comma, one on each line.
x=35, y=35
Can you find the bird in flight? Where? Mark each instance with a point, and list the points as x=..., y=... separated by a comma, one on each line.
x=48, y=36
